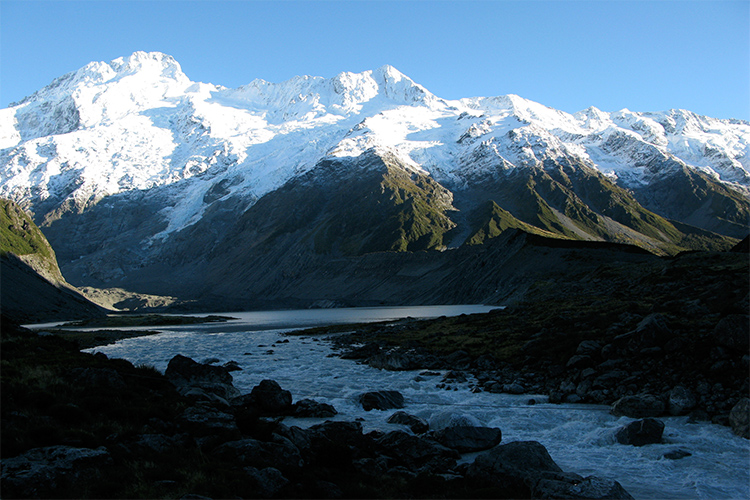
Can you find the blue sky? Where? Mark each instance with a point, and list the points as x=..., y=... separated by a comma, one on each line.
x=640, y=55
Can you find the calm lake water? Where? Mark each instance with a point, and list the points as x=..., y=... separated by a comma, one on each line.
x=580, y=438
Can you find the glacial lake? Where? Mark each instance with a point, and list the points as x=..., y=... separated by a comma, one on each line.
x=580, y=438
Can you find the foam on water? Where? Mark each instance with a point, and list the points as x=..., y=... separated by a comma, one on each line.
x=580, y=438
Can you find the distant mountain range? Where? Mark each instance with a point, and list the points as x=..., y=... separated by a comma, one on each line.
x=143, y=179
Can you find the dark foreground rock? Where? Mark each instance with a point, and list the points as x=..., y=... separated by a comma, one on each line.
x=42, y=472
x=524, y=469
x=416, y=424
x=381, y=400
x=467, y=439
x=641, y=432
x=147, y=440
x=640, y=406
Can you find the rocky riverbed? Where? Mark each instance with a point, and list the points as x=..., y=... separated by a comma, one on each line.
x=674, y=338
x=85, y=426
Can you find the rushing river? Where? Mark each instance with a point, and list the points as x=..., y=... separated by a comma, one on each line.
x=580, y=438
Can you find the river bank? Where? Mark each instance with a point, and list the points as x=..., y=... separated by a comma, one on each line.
x=678, y=332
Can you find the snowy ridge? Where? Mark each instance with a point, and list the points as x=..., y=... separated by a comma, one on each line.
x=138, y=123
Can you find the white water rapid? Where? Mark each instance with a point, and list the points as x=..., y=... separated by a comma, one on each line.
x=580, y=438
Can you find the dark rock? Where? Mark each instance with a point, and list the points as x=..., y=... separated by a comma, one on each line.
x=739, y=418
x=588, y=372
x=579, y=362
x=200, y=381
x=48, y=472
x=232, y=366
x=652, y=331
x=733, y=332
x=677, y=454
x=468, y=439
x=204, y=420
x=514, y=388
x=681, y=401
x=416, y=424
x=639, y=406
x=334, y=444
x=156, y=443
x=451, y=418
x=609, y=380
x=589, y=348
x=281, y=455
x=513, y=467
x=396, y=360
x=485, y=362
x=363, y=352
x=381, y=400
x=271, y=399
x=571, y=487
x=103, y=378
x=308, y=408
x=267, y=482
x=641, y=432
x=416, y=452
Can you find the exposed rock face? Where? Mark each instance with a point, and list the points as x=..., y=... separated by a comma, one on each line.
x=739, y=418
x=641, y=432
x=41, y=472
x=381, y=400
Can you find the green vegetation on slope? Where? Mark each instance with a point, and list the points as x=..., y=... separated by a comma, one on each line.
x=489, y=221
x=18, y=233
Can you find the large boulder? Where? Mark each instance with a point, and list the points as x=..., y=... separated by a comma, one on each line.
x=524, y=469
x=450, y=418
x=271, y=399
x=641, y=432
x=468, y=438
x=733, y=332
x=309, y=408
x=652, y=331
x=416, y=424
x=417, y=453
x=513, y=467
x=200, y=381
x=52, y=471
x=638, y=406
x=681, y=401
x=381, y=400
x=739, y=418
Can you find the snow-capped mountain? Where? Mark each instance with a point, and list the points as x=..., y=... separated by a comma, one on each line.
x=136, y=141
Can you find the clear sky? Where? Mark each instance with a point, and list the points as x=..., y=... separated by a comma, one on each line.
x=641, y=55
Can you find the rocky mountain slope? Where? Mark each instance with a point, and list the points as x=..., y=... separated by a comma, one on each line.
x=146, y=180
x=33, y=288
